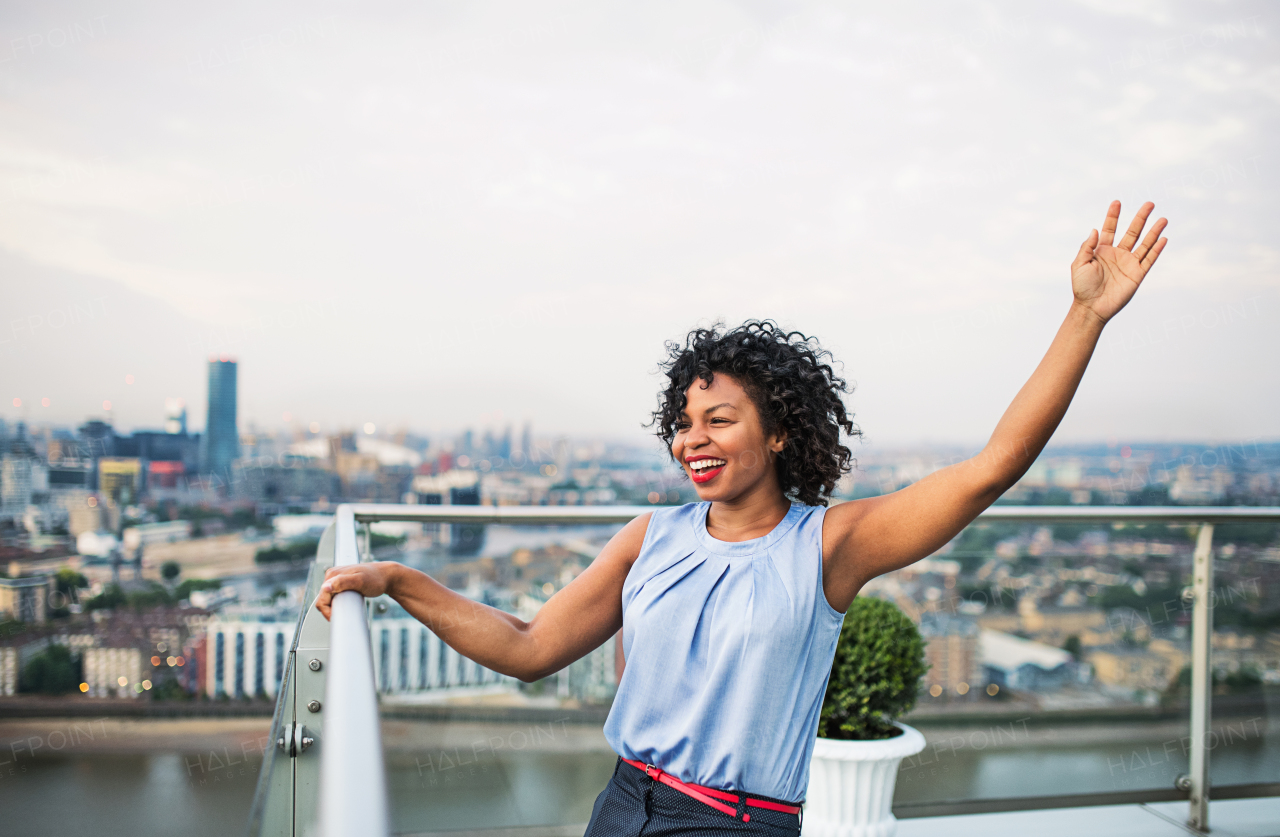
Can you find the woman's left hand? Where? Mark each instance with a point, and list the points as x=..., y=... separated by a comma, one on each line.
x=1104, y=277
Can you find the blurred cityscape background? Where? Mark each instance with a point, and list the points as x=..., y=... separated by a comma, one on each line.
x=169, y=564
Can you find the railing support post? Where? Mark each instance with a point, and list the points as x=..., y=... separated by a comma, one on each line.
x=1201, y=676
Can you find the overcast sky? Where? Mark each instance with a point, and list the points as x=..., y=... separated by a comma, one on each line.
x=424, y=214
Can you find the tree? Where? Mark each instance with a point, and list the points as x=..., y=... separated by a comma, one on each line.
x=294, y=551
x=169, y=689
x=51, y=672
x=111, y=597
x=190, y=585
x=170, y=570
x=67, y=582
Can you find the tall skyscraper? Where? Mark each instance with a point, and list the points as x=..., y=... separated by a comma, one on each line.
x=221, y=439
x=175, y=417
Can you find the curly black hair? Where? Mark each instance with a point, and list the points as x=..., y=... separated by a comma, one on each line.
x=793, y=390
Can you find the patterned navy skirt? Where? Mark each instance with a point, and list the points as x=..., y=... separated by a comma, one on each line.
x=633, y=803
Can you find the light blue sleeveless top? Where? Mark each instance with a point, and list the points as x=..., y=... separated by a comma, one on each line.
x=728, y=651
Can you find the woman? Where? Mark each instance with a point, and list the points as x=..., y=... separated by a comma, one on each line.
x=731, y=607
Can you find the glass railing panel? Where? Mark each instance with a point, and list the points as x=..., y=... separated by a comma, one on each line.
x=272, y=812
x=1244, y=737
x=1055, y=648
x=467, y=747
x=275, y=804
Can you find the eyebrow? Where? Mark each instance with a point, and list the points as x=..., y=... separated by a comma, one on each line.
x=712, y=409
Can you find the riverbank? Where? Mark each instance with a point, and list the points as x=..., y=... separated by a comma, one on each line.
x=37, y=737
x=485, y=711
x=79, y=706
x=547, y=732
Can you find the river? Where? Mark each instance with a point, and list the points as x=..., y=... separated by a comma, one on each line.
x=441, y=780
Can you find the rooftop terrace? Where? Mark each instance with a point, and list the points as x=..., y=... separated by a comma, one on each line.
x=332, y=773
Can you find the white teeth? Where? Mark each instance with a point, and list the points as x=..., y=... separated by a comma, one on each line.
x=704, y=464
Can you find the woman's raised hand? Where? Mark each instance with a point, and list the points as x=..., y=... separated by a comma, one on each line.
x=369, y=580
x=1105, y=276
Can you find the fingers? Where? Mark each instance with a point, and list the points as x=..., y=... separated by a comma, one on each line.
x=337, y=580
x=1150, y=240
x=328, y=588
x=1109, y=225
x=1086, y=250
x=1135, y=228
x=1154, y=254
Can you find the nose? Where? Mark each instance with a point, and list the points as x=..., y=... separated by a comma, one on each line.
x=697, y=436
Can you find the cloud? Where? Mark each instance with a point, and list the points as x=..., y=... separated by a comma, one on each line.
x=456, y=209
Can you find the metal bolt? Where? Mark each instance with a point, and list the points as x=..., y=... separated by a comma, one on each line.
x=314, y=705
x=315, y=665
x=1183, y=782
x=382, y=607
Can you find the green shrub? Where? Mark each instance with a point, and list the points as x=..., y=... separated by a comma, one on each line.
x=875, y=674
x=52, y=672
x=69, y=583
x=169, y=689
x=154, y=595
x=186, y=588
x=293, y=551
x=1244, y=681
x=112, y=596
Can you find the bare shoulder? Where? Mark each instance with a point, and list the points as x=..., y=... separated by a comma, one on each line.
x=840, y=526
x=840, y=521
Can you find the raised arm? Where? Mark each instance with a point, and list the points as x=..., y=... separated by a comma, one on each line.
x=866, y=538
x=580, y=617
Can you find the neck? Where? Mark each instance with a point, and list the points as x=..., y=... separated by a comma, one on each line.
x=752, y=514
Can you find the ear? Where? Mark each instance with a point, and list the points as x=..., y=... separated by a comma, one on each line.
x=777, y=441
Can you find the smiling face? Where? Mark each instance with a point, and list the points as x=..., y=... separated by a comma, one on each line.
x=721, y=442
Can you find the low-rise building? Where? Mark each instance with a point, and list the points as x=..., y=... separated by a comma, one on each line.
x=1151, y=668
x=245, y=657
x=113, y=671
x=951, y=651
x=1052, y=625
x=131, y=652
x=409, y=657
x=1015, y=663
x=24, y=599
x=8, y=670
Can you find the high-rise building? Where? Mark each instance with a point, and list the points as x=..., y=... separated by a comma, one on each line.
x=175, y=416
x=221, y=439
x=526, y=441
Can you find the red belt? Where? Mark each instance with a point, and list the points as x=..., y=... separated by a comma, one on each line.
x=705, y=794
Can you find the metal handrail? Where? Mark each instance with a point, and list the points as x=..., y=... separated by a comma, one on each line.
x=586, y=515
x=511, y=515
x=353, y=782
x=352, y=786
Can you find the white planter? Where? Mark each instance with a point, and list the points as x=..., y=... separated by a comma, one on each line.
x=851, y=785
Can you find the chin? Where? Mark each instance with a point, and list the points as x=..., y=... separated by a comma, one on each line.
x=709, y=494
